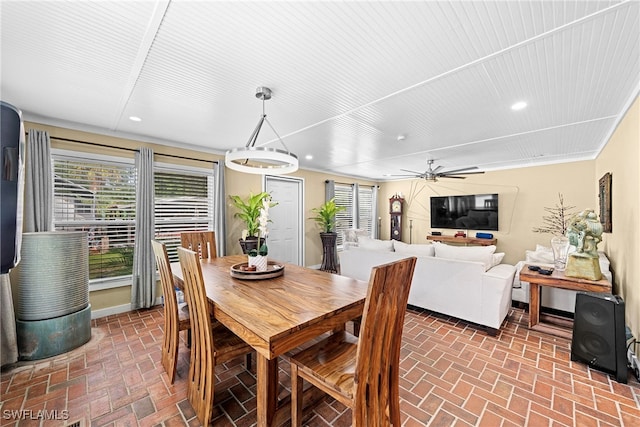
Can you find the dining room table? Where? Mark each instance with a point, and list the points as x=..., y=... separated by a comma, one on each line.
x=277, y=313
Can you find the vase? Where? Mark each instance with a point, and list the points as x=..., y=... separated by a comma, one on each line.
x=259, y=261
x=329, y=252
x=251, y=242
x=560, y=247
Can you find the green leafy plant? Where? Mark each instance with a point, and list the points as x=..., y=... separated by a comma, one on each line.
x=325, y=215
x=249, y=211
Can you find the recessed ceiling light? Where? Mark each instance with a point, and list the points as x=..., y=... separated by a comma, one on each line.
x=135, y=119
x=518, y=105
x=308, y=157
x=401, y=138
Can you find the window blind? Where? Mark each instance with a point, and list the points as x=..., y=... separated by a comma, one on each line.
x=183, y=202
x=98, y=197
x=345, y=218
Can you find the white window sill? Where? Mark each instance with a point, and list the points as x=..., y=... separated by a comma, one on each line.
x=110, y=283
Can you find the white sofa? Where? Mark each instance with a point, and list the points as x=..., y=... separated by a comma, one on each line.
x=554, y=298
x=477, y=289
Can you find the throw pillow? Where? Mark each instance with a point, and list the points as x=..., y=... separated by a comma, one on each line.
x=483, y=254
x=375, y=244
x=413, y=250
x=497, y=258
x=349, y=236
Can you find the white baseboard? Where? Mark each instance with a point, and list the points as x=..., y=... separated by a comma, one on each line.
x=116, y=309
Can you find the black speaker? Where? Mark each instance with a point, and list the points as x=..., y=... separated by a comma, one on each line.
x=10, y=128
x=599, y=333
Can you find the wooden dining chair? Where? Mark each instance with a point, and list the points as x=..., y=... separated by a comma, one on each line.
x=176, y=316
x=201, y=242
x=212, y=343
x=362, y=372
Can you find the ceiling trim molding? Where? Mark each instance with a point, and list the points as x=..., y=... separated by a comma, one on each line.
x=159, y=11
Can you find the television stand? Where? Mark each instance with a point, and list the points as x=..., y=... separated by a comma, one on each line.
x=463, y=240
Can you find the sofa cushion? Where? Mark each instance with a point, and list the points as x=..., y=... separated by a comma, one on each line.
x=375, y=244
x=496, y=258
x=483, y=254
x=414, y=250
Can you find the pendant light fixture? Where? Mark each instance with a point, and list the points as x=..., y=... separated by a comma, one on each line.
x=262, y=160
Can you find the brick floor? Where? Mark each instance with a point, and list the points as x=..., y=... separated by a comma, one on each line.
x=453, y=373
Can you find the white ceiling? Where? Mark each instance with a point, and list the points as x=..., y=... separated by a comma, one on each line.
x=347, y=77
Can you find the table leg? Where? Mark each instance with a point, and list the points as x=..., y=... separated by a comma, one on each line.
x=267, y=390
x=534, y=304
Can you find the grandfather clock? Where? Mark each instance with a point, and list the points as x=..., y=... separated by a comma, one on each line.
x=395, y=210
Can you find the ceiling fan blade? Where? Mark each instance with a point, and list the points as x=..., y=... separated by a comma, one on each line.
x=451, y=176
x=460, y=173
x=460, y=170
x=436, y=169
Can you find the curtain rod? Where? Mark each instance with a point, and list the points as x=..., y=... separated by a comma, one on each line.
x=97, y=144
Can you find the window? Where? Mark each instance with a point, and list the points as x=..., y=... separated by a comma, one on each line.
x=97, y=195
x=183, y=202
x=360, y=216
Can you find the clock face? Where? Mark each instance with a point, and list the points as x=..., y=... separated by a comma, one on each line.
x=396, y=206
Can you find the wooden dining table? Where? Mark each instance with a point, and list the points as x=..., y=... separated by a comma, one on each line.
x=276, y=315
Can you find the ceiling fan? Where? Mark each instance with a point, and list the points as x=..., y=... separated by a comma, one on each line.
x=432, y=174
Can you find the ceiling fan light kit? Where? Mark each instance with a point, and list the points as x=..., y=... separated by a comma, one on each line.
x=261, y=160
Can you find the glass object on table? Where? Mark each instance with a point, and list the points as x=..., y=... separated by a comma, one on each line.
x=560, y=246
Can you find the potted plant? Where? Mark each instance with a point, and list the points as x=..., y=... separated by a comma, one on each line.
x=249, y=212
x=325, y=217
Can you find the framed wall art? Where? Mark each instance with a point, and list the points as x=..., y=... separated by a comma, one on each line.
x=604, y=196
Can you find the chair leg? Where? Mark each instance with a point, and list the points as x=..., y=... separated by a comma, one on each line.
x=189, y=338
x=296, y=397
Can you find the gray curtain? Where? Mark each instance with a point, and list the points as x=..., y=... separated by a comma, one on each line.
x=329, y=190
x=38, y=199
x=143, y=286
x=374, y=213
x=356, y=205
x=220, y=203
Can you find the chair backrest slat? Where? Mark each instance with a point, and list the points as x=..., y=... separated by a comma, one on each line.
x=201, y=369
x=201, y=242
x=171, y=317
x=378, y=354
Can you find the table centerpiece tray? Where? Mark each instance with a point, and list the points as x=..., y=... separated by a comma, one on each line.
x=274, y=269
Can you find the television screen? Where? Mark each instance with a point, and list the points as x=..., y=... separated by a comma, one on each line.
x=475, y=212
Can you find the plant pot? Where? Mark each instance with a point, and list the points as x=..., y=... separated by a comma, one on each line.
x=329, y=252
x=250, y=243
x=259, y=261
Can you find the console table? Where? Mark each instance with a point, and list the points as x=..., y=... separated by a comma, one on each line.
x=556, y=325
x=462, y=240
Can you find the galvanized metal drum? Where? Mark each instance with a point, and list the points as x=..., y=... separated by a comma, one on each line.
x=53, y=275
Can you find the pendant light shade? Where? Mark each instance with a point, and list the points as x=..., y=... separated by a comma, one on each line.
x=262, y=160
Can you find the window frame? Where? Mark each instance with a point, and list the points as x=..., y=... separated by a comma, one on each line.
x=89, y=157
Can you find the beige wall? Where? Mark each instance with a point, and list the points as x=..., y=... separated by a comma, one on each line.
x=621, y=158
x=523, y=195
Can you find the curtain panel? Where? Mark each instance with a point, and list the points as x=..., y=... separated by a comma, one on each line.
x=143, y=284
x=38, y=199
x=219, y=216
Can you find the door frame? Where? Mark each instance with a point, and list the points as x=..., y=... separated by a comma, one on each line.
x=301, y=185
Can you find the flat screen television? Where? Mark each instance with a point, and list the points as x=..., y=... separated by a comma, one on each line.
x=474, y=212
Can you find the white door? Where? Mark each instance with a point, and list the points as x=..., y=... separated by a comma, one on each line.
x=286, y=229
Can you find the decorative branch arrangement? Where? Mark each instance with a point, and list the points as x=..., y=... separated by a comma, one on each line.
x=557, y=221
